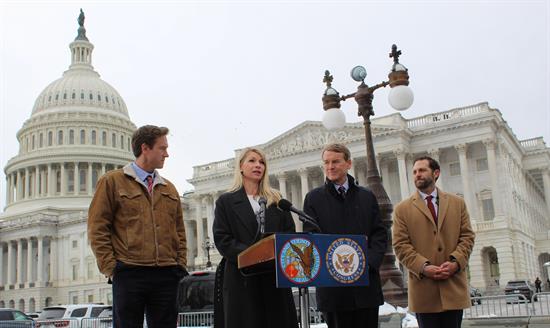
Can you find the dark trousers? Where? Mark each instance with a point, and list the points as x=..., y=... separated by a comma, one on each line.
x=139, y=290
x=446, y=319
x=364, y=318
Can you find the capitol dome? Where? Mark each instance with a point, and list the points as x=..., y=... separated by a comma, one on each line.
x=80, y=87
x=79, y=129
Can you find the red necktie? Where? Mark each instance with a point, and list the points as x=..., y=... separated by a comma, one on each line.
x=150, y=184
x=431, y=207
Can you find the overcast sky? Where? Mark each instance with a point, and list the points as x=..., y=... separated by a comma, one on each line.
x=228, y=74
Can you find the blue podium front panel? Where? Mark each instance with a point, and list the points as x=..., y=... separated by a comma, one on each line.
x=306, y=260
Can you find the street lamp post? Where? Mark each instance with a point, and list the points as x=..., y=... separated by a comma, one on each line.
x=400, y=98
x=207, y=246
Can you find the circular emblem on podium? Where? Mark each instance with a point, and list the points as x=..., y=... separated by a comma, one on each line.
x=300, y=260
x=345, y=260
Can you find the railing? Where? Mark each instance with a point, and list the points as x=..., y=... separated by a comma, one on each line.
x=536, y=143
x=509, y=306
x=16, y=324
x=62, y=323
x=196, y=319
x=448, y=115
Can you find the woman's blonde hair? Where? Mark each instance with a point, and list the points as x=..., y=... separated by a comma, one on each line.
x=273, y=196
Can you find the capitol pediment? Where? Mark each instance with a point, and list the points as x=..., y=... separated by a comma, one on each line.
x=312, y=135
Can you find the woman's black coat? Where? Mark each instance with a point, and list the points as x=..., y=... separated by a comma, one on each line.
x=250, y=302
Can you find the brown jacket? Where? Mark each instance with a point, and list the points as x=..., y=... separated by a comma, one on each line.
x=416, y=240
x=127, y=224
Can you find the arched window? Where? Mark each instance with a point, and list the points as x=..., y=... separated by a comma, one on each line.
x=50, y=138
x=113, y=140
x=58, y=181
x=71, y=137
x=82, y=173
x=59, y=137
x=94, y=137
x=121, y=142
x=70, y=180
x=33, y=142
x=41, y=140
x=104, y=138
x=82, y=137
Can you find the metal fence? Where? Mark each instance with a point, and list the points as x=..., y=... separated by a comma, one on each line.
x=16, y=324
x=196, y=319
x=509, y=306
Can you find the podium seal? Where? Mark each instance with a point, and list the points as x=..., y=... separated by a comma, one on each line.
x=300, y=260
x=345, y=260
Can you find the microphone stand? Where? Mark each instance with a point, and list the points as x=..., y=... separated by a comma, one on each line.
x=303, y=294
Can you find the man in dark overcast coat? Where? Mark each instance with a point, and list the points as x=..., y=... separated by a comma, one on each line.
x=343, y=207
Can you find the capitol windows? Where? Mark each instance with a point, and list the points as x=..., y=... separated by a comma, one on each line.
x=50, y=138
x=91, y=270
x=71, y=137
x=57, y=96
x=75, y=243
x=95, y=175
x=82, y=174
x=91, y=96
x=98, y=97
x=82, y=137
x=94, y=137
x=73, y=96
x=454, y=169
x=41, y=140
x=82, y=95
x=33, y=141
x=104, y=138
x=70, y=182
x=121, y=142
x=481, y=164
x=74, y=267
x=65, y=96
x=128, y=144
x=60, y=137
x=106, y=99
x=58, y=181
x=113, y=140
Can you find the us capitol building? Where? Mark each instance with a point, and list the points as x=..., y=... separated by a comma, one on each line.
x=80, y=128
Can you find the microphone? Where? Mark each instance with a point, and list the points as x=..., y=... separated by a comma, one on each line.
x=261, y=214
x=285, y=205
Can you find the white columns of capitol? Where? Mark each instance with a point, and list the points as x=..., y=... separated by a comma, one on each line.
x=200, y=230
x=434, y=153
x=546, y=184
x=29, y=262
x=63, y=182
x=36, y=190
x=76, y=179
x=27, y=178
x=465, y=174
x=207, y=201
x=19, y=257
x=282, y=177
x=10, y=270
x=40, y=266
x=490, y=145
x=50, y=180
x=89, y=180
x=303, y=172
x=53, y=258
x=8, y=189
x=402, y=166
x=19, y=187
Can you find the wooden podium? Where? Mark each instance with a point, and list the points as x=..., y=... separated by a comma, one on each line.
x=258, y=258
